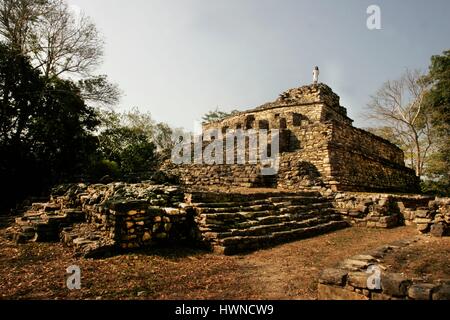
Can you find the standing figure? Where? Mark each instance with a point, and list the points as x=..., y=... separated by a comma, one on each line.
x=316, y=75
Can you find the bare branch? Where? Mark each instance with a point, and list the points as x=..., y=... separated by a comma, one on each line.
x=399, y=104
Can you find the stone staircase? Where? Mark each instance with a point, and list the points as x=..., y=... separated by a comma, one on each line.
x=232, y=223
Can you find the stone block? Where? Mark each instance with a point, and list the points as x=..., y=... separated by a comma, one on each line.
x=358, y=279
x=333, y=276
x=394, y=284
x=421, y=291
x=421, y=213
x=354, y=265
x=423, y=220
x=327, y=292
x=442, y=292
x=423, y=228
x=438, y=230
x=380, y=296
x=125, y=206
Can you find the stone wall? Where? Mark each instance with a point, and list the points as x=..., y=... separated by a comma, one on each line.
x=138, y=215
x=364, y=162
x=318, y=146
x=223, y=175
x=373, y=210
x=294, y=108
x=99, y=219
x=308, y=162
x=351, y=280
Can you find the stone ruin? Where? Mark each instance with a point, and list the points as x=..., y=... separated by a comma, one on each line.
x=331, y=176
x=318, y=147
x=350, y=280
x=326, y=165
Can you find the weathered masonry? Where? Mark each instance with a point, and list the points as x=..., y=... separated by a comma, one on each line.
x=318, y=147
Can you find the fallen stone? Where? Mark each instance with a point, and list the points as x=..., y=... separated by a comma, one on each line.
x=354, y=265
x=438, y=230
x=421, y=213
x=365, y=258
x=358, y=279
x=442, y=292
x=423, y=228
x=394, y=284
x=379, y=296
x=421, y=291
x=327, y=292
x=423, y=220
x=333, y=276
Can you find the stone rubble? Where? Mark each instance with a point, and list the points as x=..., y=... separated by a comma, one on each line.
x=349, y=281
x=390, y=210
x=99, y=219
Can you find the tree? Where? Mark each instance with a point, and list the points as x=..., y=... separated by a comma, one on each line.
x=59, y=42
x=63, y=43
x=217, y=115
x=46, y=129
x=17, y=19
x=20, y=99
x=438, y=108
x=139, y=157
x=21, y=92
x=100, y=91
x=400, y=105
x=134, y=140
x=61, y=134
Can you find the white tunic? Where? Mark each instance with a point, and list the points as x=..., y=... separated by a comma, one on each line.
x=315, y=76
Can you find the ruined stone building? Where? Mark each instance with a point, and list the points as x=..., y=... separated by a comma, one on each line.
x=318, y=146
x=319, y=150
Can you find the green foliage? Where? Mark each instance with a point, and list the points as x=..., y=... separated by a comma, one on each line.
x=99, y=90
x=438, y=107
x=46, y=130
x=102, y=168
x=438, y=97
x=134, y=140
x=139, y=157
x=62, y=133
x=436, y=187
x=217, y=115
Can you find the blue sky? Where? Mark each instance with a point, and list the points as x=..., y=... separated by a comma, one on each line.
x=179, y=59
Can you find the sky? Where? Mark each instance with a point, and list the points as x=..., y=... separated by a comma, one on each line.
x=179, y=59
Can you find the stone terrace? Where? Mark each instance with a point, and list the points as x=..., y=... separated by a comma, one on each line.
x=318, y=147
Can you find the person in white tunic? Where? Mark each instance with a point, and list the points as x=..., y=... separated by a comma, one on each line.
x=316, y=75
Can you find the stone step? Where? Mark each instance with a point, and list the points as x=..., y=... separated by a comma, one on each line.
x=284, y=207
x=236, y=245
x=229, y=210
x=265, y=229
x=262, y=218
x=301, y=208
x=293, y=200
x=220, y=197
x=229, y=204
x=224, y=217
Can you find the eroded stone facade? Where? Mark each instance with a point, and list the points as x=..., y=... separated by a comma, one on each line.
x=318, y=147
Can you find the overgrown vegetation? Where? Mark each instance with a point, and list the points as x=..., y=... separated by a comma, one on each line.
x=414, y=112
x=217, y=115
x=52, y=128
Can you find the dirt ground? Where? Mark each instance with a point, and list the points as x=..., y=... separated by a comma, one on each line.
x=289, y=271
x=427, y=260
